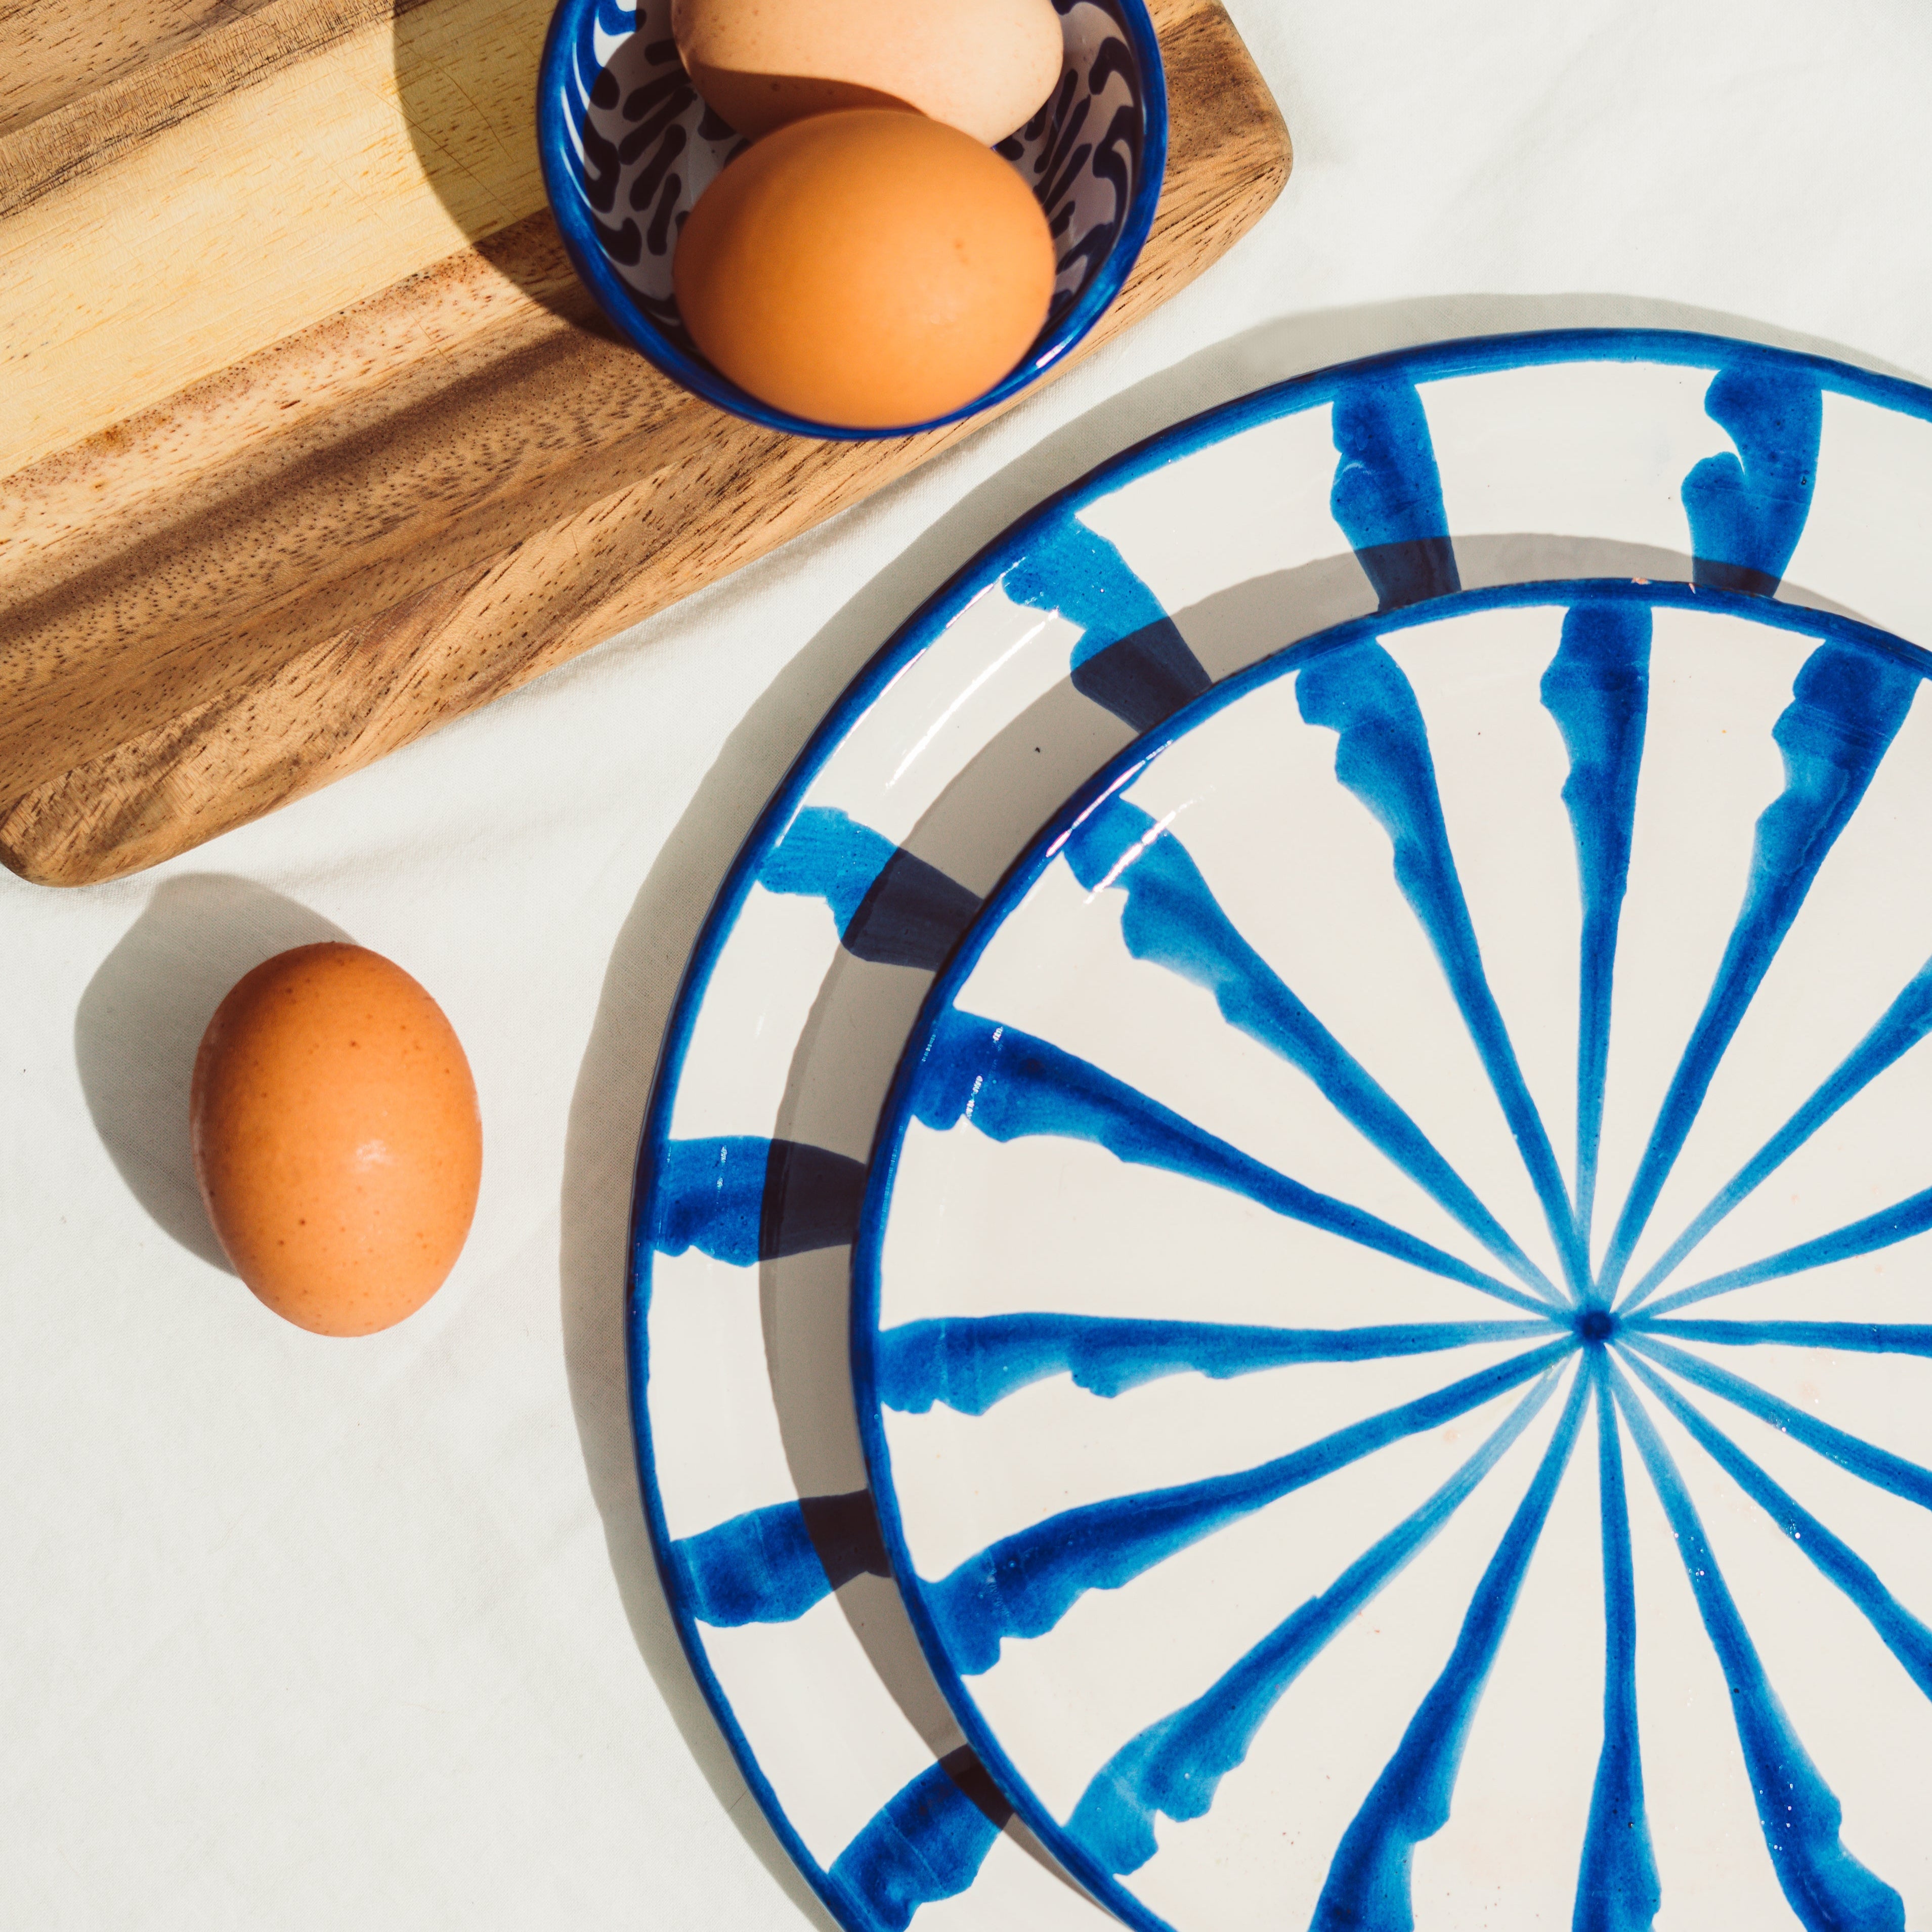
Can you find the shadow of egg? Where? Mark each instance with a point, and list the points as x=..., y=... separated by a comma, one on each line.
x=466, y=80
x=755, y=103
x=141, y=1019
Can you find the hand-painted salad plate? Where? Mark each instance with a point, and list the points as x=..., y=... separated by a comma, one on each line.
x=1393, y=1390
x=1767, y=487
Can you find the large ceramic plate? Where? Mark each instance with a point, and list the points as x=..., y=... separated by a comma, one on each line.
x=1577, y=455
x=1393, y=1387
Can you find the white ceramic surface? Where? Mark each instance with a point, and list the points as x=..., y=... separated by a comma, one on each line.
x=1317, y=1514
x=1377, y=487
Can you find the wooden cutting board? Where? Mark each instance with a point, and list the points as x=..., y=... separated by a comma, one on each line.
x=310, y=439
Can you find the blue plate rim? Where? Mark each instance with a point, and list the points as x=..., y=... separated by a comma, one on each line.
x=555, y=156
x=1462, y=356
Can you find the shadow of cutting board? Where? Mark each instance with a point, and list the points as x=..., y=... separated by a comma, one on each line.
x=309, y=439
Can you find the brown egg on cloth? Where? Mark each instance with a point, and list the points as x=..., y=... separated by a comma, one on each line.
x=337, y=1138
x=869, y=268
x=982, y=66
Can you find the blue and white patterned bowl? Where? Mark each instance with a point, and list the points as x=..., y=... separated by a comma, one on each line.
x=627, y=148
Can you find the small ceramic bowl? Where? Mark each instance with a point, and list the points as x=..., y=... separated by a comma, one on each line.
x=627, y=147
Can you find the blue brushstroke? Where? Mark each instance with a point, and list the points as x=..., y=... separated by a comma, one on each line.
x=759, y=1567
x=1861, y=1338
x=1172, y=919
x=1847, y=706
x=741, y=1199
x=1077, y=572
x=1130, y=658
x=1900, y=1028
x=1798, y=1813
x=970, y=1362
x=1023, y=1585
x=1368, y=1883
x=890, y=906
x=710, y=1195
x=1009, y=1085
x=1617, y=1888
x=1381, y=755
x=769, y=1566
x=1898, y=1222
x=1387, y=493
x=1175, y=1766
x=1902, y=1633
x=1870, y=1464
x=1747, y=516
x=927, y=1842
x=825, y=855
x=1597, y=689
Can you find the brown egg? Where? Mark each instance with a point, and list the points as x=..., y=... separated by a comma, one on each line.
x=982, y=66
x=336, y=1137
x=870, y=268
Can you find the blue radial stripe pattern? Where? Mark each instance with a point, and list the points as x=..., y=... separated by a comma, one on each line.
x=1690, y=475
x=1616, y=1880
x=1256, y=1549
x=1845, y=707
x=1381, y=755
x=1597, y=689
x=1175, y=1766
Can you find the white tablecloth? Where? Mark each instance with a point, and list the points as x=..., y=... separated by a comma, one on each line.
x=296, y=1632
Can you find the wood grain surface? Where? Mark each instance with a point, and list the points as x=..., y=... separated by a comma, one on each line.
x=310, y=439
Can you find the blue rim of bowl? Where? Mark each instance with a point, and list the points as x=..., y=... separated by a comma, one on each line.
x=557, y=155
x=1465, y=355
x=895, y=1116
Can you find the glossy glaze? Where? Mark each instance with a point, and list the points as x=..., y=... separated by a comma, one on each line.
x=1181, y=562
x=1318, y=969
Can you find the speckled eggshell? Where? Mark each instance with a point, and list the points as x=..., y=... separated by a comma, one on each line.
x=337, y=1138
x=870, y=268
x=982, y=66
